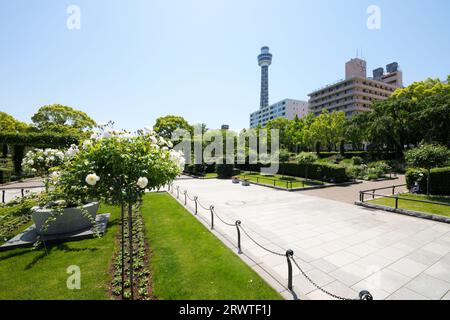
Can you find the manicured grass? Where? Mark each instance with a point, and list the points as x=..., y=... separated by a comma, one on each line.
x=189, y=262
x=418, y=206
x=35, y=274
x=279, y=180
x=212, y=175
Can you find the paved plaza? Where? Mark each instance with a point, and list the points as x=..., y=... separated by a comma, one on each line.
x=341, y=247
x=14, y=190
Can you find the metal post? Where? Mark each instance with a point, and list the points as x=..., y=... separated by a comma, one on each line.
x=130, y=243
x=238, y=223
x=393, y=190
x=373, y=194
x=196, y=209
x=362, y=196
x=274, y=182
x=185, y=196
x=365, y=295
x=289, y=255
x=3, y=196
x=22, y=191
x=211, y=208
x=123, y=248
x=396, y=202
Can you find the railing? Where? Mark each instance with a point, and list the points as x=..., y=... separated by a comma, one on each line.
x=19, y=191
x=288, y=254
x=368, y=195
x=277, y=182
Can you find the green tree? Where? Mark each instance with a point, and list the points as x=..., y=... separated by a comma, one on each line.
x=281, y=124
x=166, y=126
x=62, y=119
x=428, y=156
x=9, y=124
x=306, y=159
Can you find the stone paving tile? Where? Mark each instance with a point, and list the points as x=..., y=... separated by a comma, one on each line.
x=406, y=294
x=424, y=257
x=336, y=288
x=324, y=265
x=440, y=270
x=408, y=267
x=374, y=262
x=392, y=253
x=361, y=250
x=341, y=258
x=428, y=286
x=387, y=280
x=351, y=274
x=447, y=296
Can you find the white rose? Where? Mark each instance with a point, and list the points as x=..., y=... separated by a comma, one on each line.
x=154, y=140
x=30, y=162
x=170, y=144
x=87, y=143
x=60, y=155
x=92, y=179
x=142, y=182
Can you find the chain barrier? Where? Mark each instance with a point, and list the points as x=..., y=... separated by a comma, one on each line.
x=315, y=284
x=289, y=254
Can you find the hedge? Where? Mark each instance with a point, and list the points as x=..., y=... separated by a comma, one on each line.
x=38, y=140
x=440, y=180
x=325, y=172
x=5, y=175
x=225, y=171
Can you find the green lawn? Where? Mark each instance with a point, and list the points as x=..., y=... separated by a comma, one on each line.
x=279, y=180
x=189, y=262
x=33, y=274
x=418, y=206
x=211, y=175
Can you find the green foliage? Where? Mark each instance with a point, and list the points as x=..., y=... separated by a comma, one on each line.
x=39, y=140
x=117, y=167
x=357, y=161
x=439, y=182
x=9, y=124
x=306, y=158
x=413, y=114
x=224, y=170
x=427, y=156
x=57, y=118
x=284, y=156
x=5, y=175
x=166, y=126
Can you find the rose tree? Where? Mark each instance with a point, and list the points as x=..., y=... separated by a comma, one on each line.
x=116, y=168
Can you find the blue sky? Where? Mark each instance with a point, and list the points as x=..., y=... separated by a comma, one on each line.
x=133, y=61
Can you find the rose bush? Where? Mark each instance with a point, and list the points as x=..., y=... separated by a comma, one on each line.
x=117, y=167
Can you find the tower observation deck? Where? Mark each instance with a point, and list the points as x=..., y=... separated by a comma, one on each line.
x=264, y=61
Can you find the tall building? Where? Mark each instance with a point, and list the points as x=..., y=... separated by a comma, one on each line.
x=356, y=93
x=264, y=61
x=288, y=108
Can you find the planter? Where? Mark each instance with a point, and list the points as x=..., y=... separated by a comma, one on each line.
x=245, y=183
x=71, y=220
x=235, y=180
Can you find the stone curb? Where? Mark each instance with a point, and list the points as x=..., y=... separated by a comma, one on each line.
x=416, y=214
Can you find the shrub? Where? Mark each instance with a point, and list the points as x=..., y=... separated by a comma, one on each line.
x=380, y=168
x=427, y=156
x=224, y=171
x=357, y=161
x=439, y=182
x=5, y=175
x=284, y=156
x=306, y=158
